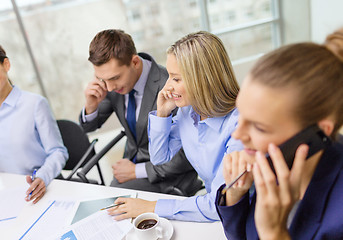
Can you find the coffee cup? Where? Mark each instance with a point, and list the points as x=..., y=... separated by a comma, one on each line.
x=147, y=226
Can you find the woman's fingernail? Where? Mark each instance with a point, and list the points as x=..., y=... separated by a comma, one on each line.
x=255, y=166
x=272, y=147
x=258, y=155
x=305, y=149
x=249, y=167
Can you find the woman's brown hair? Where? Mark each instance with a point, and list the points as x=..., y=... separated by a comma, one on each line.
x=2, y=54
x=314, y=71
x=2, y=58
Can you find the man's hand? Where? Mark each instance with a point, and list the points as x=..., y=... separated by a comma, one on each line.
x=124, y=170
x=95, y=92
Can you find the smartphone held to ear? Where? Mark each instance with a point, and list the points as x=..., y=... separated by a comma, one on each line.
x=312, y=136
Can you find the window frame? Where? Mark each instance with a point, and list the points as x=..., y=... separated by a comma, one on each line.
x=275, y=21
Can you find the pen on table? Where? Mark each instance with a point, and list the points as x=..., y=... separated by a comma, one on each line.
x=33, y=177
x=113, y=205
x=233, y=182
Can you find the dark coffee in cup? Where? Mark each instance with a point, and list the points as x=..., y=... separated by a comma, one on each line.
x=146, y=224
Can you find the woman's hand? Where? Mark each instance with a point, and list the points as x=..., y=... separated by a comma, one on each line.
x=131, y=208
x=275, y=198
x=37, y=187
x=234, y=164
x=165, y=101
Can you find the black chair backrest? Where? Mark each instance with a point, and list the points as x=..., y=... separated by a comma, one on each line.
x=75, y=140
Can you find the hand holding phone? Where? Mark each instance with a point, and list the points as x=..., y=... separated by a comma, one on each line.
x=312, y=136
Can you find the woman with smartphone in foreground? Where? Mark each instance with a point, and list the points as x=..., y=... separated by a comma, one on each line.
x=288, y=90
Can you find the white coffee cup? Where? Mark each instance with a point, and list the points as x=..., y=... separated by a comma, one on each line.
x=151, y=232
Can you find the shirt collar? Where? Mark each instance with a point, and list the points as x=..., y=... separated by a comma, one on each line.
x=13, y=97
x=140, y=85
x=213, y=122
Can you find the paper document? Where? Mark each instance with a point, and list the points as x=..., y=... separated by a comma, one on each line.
x=98, y=226
x=12, y=202
x=52, y=219
x=87, y=208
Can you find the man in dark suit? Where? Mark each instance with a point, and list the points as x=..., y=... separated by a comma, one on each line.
x=127, y=84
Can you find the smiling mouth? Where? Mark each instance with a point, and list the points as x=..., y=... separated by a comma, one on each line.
x=176, y=95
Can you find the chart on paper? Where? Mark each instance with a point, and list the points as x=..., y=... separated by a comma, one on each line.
x=54, y=218
x=98, y=226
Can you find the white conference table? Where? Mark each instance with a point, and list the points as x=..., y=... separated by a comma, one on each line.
x=81, y=191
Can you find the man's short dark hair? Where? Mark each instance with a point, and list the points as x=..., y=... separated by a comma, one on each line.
x=111, y=43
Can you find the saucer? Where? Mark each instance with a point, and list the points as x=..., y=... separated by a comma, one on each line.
x=166, y=226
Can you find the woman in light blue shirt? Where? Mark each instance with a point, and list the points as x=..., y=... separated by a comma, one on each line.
x=29, y=135
x=202, y=84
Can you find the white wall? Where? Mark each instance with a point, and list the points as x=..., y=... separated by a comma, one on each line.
x=326, y=16
x=296, y=23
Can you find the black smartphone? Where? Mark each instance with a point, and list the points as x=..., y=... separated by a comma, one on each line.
x=313, y=136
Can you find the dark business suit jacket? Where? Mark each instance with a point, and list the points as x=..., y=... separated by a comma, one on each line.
x=320, y=212
x=175, y=173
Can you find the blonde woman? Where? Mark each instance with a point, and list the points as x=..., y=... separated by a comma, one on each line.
x=202, y=85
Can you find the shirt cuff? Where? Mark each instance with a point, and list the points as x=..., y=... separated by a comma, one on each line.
x=44, y=177
x=221, y=201
x=88, y=117
x=140, y=170
x=164, y=208
x=159, y=124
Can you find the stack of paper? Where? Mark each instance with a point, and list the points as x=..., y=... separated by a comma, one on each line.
x=98, y=226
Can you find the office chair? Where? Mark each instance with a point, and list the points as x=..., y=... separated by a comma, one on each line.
x=95, y=159
x=175, y=190
x=197, y=186
x=79, y=148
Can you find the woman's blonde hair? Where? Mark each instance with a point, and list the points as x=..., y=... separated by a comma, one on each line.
x=207, y=72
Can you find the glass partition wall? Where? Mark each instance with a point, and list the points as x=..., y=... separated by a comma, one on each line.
x=59, y=32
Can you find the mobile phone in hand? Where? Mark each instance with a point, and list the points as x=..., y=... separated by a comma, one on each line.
x=313, y=136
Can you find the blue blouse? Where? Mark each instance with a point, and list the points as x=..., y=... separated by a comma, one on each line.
x=29, y=137
x=205, y=144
